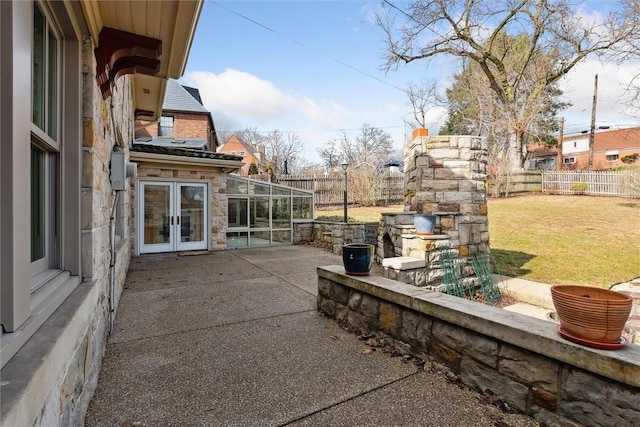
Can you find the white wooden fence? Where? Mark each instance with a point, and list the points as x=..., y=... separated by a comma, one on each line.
x=598, y=183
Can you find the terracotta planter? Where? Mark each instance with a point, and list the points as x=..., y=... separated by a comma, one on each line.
x=591, y=314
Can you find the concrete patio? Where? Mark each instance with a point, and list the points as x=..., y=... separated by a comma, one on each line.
x=233, y=338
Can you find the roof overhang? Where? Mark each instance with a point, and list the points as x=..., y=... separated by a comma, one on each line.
x=180, y=162
x=171, y=22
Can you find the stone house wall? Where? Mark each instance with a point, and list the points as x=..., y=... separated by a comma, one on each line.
x=522, y=360
x=58, y=376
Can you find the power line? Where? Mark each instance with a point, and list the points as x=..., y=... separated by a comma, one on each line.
x=291, y=39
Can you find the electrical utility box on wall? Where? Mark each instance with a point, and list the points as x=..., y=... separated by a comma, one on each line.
x=121, y=170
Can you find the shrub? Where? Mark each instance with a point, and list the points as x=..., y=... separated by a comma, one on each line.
x=253, y=169
x=579, y=187
x=334, y=218
x=631, y=158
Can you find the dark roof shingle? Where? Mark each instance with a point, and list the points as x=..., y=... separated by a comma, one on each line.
x=183, y=152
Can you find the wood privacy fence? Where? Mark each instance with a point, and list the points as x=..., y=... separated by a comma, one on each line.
x=330, y=190
x=596, y=183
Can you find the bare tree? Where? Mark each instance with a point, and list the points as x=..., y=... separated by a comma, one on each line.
x=250, y=136
x=475, y=30
x=330, y=155
x=283, y=149
x=422, y=96
x=371, y=145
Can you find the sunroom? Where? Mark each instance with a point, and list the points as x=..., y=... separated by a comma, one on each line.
x=261, y=213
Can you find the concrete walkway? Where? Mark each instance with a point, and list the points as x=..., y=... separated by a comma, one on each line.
x=233, y=338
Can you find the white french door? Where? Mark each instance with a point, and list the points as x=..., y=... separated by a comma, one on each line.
x=173, y=216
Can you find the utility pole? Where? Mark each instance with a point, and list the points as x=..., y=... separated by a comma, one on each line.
x=560, y=158
x=592, y=135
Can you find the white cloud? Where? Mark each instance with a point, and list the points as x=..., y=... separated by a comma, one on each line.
x=235, y=92
x=240, y=100
x=612, y=100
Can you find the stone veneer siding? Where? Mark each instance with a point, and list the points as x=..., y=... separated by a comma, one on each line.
x=329, y=235
x=521, y=359
x=55, y=380
x=446, y=176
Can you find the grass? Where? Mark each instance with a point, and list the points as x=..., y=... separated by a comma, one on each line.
x=579, y=240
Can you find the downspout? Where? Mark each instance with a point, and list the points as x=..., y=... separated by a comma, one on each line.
x=112, y=262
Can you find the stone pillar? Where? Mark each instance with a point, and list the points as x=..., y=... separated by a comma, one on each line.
x=446, y=176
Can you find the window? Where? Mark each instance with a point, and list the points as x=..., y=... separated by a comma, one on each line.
x=45, y=146
x=42, y=245
x=165, y=127
x=612, y=155
x=242, y=153
x=568, y=160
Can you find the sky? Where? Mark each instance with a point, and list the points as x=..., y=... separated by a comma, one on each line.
x=315, y=68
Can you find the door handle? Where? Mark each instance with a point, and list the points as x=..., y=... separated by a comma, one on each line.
x=171, y=220
x=178, y=218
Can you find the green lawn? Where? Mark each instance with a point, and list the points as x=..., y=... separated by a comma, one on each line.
x=579, y=240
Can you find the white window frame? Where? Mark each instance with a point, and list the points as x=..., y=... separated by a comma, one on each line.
x=612, y=155
x=166, y=127
x=46, y=139
x=25, y=308
x=570, y=160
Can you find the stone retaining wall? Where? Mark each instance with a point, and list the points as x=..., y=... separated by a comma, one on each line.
x=521, y=359
x=329, y=235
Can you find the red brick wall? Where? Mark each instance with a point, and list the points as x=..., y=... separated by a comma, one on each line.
x=234, y=145
x=190, y=126
x=194, y=126
x=600, y=161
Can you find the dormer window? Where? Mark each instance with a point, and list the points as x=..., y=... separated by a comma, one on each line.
x=165, y=127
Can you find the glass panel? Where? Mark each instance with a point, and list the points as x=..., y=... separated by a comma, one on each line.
x=260, y=238
x=236, y=186
x=281, y=191
x=52, y=88
x=191, y=213
x=157, y=213
x=302, y=207
x=237, y=212
x=258, y=188
x=38, y=209
x=301, y=193
x=259, y=212
x=166, y=126
x=281, y=212
x=237, y=239
x=38, y=71
x=281, y=236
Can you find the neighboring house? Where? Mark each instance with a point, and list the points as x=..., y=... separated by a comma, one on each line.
x=541, y=158
x=179, y=199
x=75, y=76
x=249, y=154
x=184, y=121
x=609, y=148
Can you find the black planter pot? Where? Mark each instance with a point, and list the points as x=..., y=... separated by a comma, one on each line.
x=357, y=258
